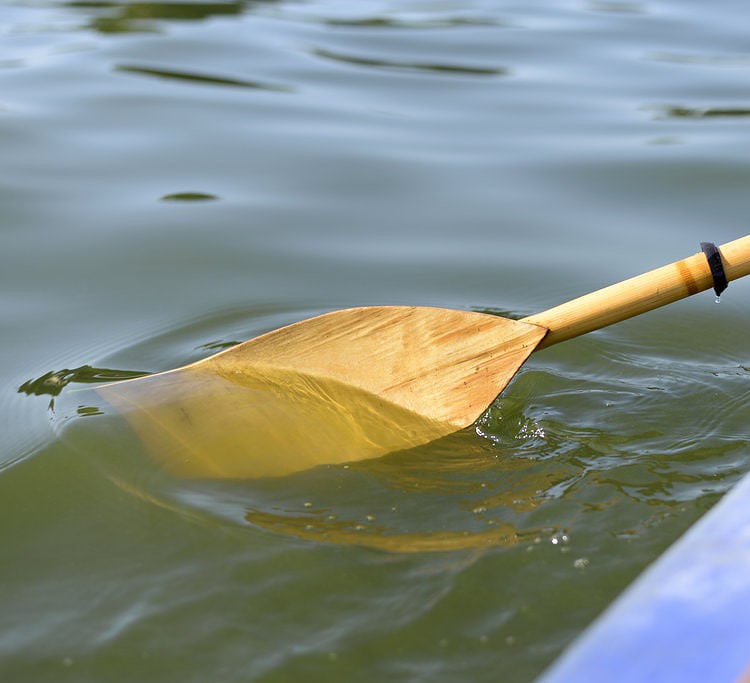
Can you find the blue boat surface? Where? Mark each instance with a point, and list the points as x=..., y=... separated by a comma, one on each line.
x=686, y=618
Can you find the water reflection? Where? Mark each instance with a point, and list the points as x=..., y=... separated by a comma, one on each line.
x=381, y=538
x=616, y=7
x=705, y=113
x=189, y=197
x=202, y=79
x=687, y=58
x=125, y=17
x=409, y=66
x=457, y=493
x=398, y=23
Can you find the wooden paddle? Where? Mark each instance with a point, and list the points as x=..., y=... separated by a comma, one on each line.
x=362, y=382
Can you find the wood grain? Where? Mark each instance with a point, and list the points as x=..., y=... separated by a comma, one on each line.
x=446, y=365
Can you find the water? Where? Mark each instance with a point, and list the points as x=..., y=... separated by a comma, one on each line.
x=177, y=177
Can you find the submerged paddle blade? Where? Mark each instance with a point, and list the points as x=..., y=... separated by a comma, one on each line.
x=345, y=386
x=262, y=423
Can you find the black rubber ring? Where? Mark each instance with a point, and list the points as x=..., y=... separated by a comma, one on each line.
x=713, y=256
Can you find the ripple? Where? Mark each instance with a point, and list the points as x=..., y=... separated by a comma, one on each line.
x=409, y=66
x=732, y=61
x=616, y=7
x=189, y=197
x=418, y=24
x=25, y=427
x=202, y=79
x=675, y=112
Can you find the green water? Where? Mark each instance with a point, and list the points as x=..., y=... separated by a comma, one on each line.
x=176, y=177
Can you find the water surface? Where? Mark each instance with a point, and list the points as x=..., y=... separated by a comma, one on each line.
x=178, y=177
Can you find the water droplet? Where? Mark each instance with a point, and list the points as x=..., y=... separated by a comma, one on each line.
x=718, y=299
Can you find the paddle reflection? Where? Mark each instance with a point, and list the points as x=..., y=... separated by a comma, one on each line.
x=453, y=494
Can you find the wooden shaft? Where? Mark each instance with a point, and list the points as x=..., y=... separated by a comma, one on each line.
x=640, y=294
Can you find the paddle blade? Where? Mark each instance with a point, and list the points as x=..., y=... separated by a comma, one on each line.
x=345, y=386
x=443, y=364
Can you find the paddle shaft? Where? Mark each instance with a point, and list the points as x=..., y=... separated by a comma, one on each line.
x=640, y=294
